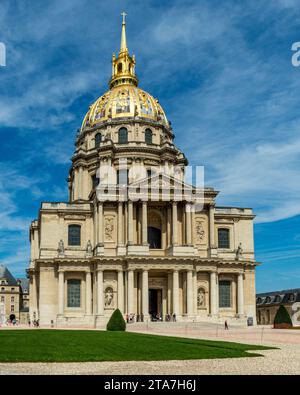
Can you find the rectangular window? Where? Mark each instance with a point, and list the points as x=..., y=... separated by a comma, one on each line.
x=2, y=299
x=122, y=177
x=74, y=235
x=224, y=294
x=223, y=238
x=74, y=293
x=12, y=308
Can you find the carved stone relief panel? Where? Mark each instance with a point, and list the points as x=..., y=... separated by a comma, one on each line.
x=200, y=230
x=110, y=228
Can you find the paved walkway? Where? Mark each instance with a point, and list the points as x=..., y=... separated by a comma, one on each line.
x=286, y=360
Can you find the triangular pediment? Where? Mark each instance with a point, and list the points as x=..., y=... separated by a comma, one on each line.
x=161, y=181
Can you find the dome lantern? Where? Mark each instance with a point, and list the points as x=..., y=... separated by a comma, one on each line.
x=123, y=67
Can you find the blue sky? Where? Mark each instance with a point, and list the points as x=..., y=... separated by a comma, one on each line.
x=222, y=72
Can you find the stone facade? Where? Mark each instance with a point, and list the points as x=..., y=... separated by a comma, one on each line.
x=14, y=297
x=267, y=305
x=144, y=245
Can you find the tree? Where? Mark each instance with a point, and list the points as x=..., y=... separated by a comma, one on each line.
x=282, y=318
x=116, y=322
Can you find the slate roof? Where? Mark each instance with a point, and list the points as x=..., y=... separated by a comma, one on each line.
x=6, y=274
x=277, y=297
x=24, y=283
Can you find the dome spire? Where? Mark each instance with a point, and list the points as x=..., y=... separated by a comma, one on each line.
x=123, y=47
x=123, y=66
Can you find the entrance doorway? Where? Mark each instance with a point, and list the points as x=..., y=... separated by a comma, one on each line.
x=155, y=304
x=12, y=317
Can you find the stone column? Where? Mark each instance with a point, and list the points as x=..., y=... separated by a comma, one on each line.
x=174, y=224
x=213, y=294
x=61, y=292
x=189, y=293
x=169, y=297
x=95, y=224
x=144, y=224
x=145, y=294
x=100, y=293
x=240, y=298
x=188, y=224
x=212, y=226
x=80, y=181
x=100, y=223
x=130, y=287
x=169, y=226
x=130, y=222
x=88, y=293
x=195, y=293
x=175, y=292
x=120, y=291
x=120, y=225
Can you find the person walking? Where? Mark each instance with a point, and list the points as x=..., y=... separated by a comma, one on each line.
x=226, y=325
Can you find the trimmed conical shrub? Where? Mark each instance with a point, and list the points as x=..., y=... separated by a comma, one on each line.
x=116, y=322
x=282, y=318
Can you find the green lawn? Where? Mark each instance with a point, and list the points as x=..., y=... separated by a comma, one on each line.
x=43, y=345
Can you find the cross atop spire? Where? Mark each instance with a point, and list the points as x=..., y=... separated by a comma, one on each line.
x=123, y=47
x=124, y=17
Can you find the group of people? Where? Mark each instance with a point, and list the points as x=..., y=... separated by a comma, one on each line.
x=35, y=323
x=13, y=322
x=130, y=318
x=171, y=317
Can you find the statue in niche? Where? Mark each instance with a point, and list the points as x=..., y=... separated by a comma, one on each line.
x=201, y=298
x=61, y=247
x=200, y=230
x=239, y=252
x=109, y=295
x=89, y=247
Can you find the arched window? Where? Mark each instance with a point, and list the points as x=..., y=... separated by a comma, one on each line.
x=154, y=237
x=223, y=238
x=123, y=136
x=120, y=67
x=95, y=181
x=224, y=294
x=98, y=139
x=73, y=288
x=74, y=235
x=148, y=136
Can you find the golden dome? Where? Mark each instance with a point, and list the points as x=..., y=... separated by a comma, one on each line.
x=124, y=99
